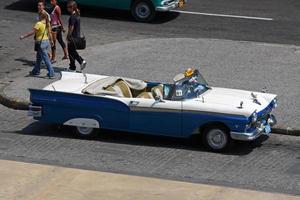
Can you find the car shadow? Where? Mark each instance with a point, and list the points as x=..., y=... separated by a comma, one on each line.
x=117, y=137
x=95, y=12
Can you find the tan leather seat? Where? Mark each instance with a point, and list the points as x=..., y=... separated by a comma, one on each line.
x=145, y=95
x=124, y=88
x=120, y=88
x=111, y=89
x=158, y=91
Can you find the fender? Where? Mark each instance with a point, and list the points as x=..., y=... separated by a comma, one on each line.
x=83, y=122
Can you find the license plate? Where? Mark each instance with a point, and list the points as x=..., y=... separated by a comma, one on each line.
x=268, y=129
x=181, y=3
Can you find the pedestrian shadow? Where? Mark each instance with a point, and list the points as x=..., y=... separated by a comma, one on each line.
x=30, y=63
x=117, y=137
x=95, y=12
x=25, y=62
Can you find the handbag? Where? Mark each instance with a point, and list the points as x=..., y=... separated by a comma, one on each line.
x=37, y=45
x=80, y=43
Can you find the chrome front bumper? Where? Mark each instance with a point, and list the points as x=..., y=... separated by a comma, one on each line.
x=170, y=6
x=260, y=130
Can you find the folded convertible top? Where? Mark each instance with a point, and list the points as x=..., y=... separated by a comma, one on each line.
x=99, y=87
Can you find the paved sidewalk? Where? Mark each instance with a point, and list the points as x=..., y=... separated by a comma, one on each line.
x=33, y=181
x=232, y=64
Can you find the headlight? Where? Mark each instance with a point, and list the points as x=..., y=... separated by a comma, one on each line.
x=254, y=117
x=275, y=103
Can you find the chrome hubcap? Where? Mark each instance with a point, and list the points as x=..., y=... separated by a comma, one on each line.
x=85, y=130
x=142, y=10
x=217, y=139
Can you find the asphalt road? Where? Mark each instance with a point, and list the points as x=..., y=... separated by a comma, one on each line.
x=273, y=166
x=105, y=26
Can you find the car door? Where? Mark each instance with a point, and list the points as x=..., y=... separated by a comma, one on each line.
x=123, y=4
x=98, y=3
x=156, y=117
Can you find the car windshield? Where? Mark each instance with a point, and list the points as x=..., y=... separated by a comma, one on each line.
x=191, y=87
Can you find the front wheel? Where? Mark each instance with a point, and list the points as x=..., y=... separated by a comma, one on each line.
x=217, y=139
x=85, y=132
x=143, y=10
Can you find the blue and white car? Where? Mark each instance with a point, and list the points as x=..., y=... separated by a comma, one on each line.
x=181, y=109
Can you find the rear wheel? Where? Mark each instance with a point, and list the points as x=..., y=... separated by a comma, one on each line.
x=217, y=138
x=85, y=132
x=143, y=10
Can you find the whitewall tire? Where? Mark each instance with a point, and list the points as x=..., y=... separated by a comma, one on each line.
x=85, y=132
x=217, y=139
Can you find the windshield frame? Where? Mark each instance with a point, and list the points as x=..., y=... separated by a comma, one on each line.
x=185, y=90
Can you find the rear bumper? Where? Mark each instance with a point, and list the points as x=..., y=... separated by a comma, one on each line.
x=170, y=5
x=250, y=136
x=34, y=111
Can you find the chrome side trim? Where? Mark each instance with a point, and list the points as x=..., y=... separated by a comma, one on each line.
x=149, y=109
x=155, y=109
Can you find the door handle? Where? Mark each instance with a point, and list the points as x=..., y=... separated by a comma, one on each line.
x=134, y=103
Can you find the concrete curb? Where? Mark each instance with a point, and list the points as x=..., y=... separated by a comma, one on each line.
x=13, y=103
x=18, y=104
x=286, y=131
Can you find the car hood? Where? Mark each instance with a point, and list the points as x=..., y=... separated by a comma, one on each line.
x=233, y=98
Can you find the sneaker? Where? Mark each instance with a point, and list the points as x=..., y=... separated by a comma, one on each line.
x=32, y=74
x=51, y=77
x=83, y=65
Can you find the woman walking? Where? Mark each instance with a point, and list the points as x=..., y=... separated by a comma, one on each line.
x=41, y=9
x=73, y=36
x=57, y=29
x=42, y=34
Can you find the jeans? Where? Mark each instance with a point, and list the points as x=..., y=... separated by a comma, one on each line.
x=73, y=55
x=42, y=54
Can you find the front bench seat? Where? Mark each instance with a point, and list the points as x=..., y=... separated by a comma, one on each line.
x=158, y=91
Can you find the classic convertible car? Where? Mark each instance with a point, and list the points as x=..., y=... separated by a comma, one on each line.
x=141, y=10
x=186, y=107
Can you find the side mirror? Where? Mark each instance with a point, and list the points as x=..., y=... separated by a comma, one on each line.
x=158, y=99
